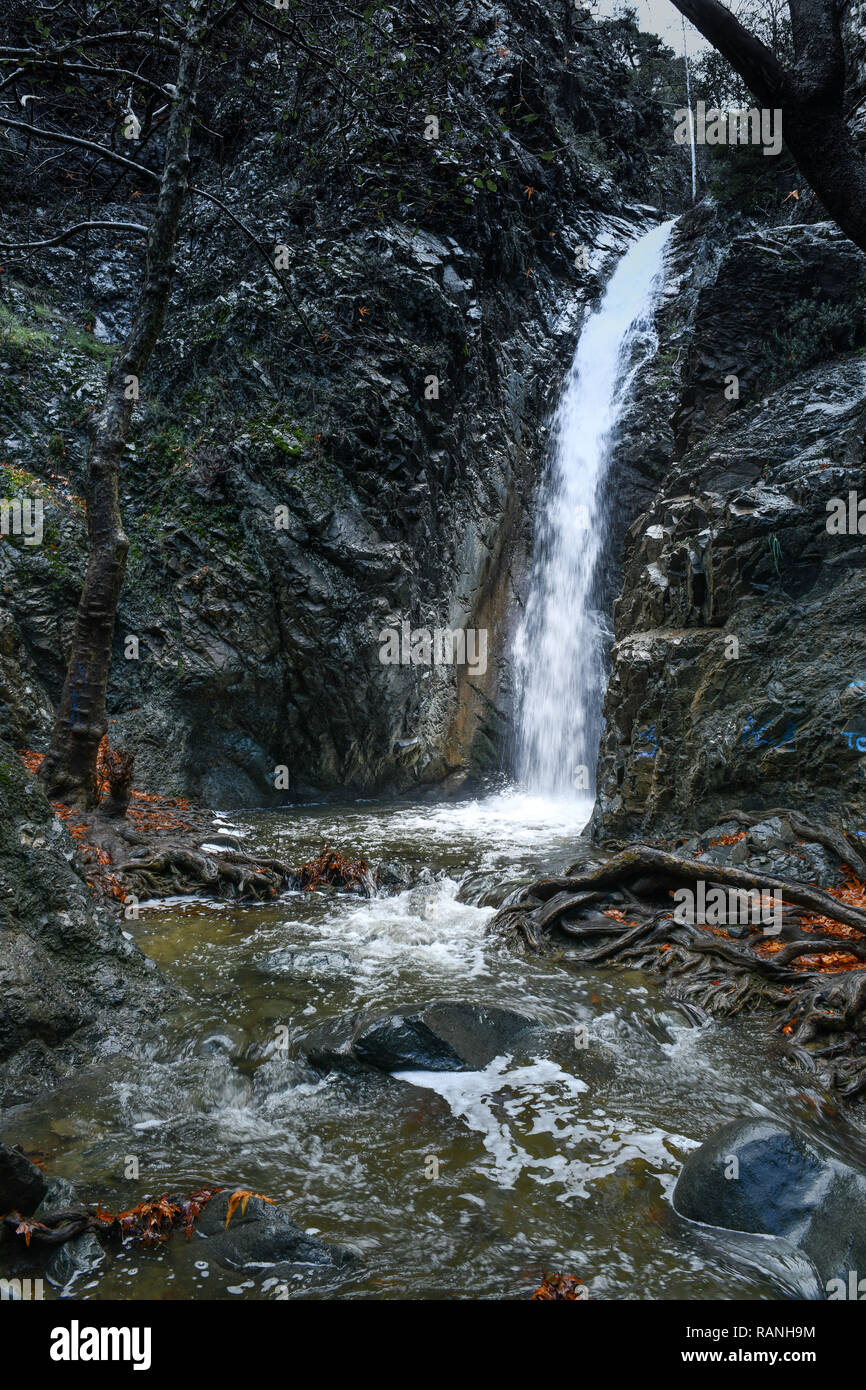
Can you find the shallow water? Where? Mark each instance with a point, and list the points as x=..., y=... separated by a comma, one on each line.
x=537, y=1166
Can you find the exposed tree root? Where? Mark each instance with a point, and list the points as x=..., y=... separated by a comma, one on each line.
x=135, y=844
x=54, y=1228
x=150, y=1222
x=183, y=867
x=805, y=978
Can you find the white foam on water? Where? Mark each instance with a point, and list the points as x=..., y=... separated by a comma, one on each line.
x=425, y=926
x=509, y=1105
x=470, y=1094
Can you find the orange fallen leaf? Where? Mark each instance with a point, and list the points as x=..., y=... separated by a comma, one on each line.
x=240, y=1198
x=558, y=1286
x=28, y=1226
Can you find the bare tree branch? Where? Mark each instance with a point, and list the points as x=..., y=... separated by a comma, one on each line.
x=59, y=137
x=89, y=68
x=254, y=241
x=132, y=36
x=73, y=231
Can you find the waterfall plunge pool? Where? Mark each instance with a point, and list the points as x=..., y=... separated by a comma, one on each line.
x=537, y=1168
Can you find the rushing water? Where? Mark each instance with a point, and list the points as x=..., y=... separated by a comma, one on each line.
x=560, y=645
x=541, y=1167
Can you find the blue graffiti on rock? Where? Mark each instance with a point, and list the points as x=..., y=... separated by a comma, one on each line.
x=648, y=737
x=757, y=735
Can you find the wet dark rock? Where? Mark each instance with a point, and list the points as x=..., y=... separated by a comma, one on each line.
x=263, y=1234
x=391, y=877
x=784, y=1187
x=260, y=645
x=25, y=707
x=739, y=659
x=443, y=1036
x=81, y=1255
x=770, y=846
x=22, y=1184
x=71, y=984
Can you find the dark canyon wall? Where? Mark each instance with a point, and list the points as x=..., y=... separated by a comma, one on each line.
x=739, y=666
x=408, y=259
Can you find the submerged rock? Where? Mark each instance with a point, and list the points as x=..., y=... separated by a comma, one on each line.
x=758, y=1176
x=442, y=1036
x=305, y=961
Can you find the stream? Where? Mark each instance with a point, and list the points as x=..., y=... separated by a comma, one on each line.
x=445, y=1184
x=537, y=1168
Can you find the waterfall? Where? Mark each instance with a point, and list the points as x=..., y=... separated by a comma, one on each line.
x=560, y=646
x=691, y=120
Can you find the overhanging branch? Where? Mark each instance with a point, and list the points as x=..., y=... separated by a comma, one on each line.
x=758, y=66
x=133, y=36
x=90, y=69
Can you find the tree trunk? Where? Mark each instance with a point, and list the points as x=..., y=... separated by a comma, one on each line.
x=119, y=767
x=810, y=95
x=69, y=768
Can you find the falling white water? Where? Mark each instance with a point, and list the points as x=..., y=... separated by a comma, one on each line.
x=691, y=120
x=560, y=645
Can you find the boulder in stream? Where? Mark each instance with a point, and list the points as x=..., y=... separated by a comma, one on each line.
x=759, y=1176
x=441, y=1036
x=259, y=1235
x=80, y=1256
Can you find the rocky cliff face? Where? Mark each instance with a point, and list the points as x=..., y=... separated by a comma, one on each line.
x=319, y=461
x=739, y=668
